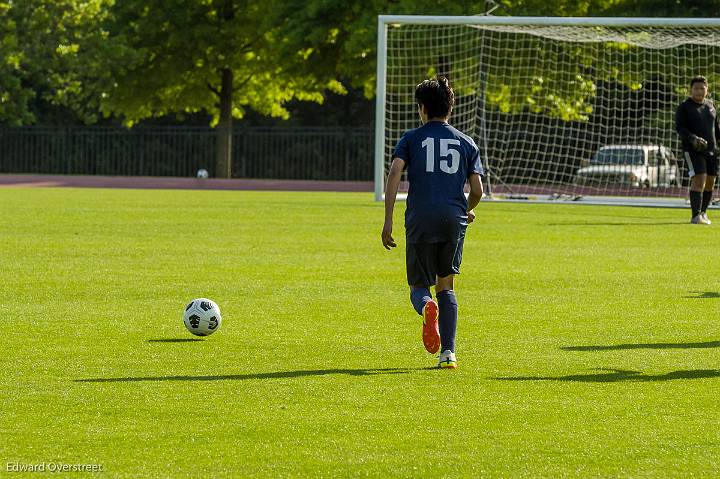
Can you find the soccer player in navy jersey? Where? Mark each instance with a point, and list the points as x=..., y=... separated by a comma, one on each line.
x=439, y=161
x=696, y=121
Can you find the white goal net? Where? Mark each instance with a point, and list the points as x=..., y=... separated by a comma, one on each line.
x=561, y=108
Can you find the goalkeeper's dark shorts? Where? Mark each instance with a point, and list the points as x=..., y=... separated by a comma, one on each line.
x=426, y=261
x=699, y=163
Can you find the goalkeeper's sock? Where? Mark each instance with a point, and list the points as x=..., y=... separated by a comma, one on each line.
x=706, y=199
x=695, y=202
x=418, y=298
x=447, y=302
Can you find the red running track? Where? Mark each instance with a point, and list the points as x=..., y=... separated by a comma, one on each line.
x=148, y=182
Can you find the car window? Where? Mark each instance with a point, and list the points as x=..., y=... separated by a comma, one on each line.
x=618, y=156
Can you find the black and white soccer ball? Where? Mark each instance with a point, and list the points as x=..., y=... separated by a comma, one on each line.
x=202, y=317
x=202, y=173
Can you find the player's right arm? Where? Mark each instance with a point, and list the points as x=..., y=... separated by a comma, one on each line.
x=476, y=192
x=680, y=121
x=391, y=189
x=682, y=129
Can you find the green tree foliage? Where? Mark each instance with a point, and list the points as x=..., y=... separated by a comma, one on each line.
x=172, y=55
x=664, y=8
x=340, y=37
x=215, y=56
x=13, y=97
x=39, y=45
x=557, y=8
x=137, y=59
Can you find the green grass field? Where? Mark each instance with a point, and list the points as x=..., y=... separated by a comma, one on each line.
x=588, y=340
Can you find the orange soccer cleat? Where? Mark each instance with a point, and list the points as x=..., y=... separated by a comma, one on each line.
x=430, y=331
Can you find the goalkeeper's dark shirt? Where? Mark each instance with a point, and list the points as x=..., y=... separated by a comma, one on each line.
x=699, y=119
x=439, y=159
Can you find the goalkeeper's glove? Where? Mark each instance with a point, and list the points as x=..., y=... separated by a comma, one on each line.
x=700, y=144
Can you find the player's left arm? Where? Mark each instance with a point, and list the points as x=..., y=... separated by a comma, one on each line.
x=476, y=192
x=475, y=171
x=391, y=189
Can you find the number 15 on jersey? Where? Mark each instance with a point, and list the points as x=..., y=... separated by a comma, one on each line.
x=449, y=157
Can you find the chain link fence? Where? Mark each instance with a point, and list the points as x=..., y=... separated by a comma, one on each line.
x=258, y=152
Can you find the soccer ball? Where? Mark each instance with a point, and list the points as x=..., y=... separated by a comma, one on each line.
x=202, y=317
x=202, y=173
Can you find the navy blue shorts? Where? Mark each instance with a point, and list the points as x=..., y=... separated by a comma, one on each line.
x=426, y=261
x=699, y=163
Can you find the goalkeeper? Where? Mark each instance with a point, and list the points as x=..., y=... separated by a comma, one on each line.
x=697, y=124
x=439, y=161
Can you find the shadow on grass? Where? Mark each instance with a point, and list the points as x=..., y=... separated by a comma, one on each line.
x=616, y=347
x=242, y=377
x=703, y=295
x=175, y=340
x=617, y=375
x=589, y=223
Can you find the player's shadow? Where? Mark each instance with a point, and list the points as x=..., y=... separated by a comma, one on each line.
x=243, y=377
x=175, y=340
x=703, y=295
x=618, y=375
x=617, y=347
x=616, y=223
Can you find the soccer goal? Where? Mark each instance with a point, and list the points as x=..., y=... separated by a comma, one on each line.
x=577, y=109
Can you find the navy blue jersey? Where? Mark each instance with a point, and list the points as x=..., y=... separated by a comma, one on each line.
x=439, y=159
x=699, y=119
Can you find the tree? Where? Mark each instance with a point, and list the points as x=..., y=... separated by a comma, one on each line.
x=216, y=56
x=13, y=97
x=39, y=59
x=140, y=59
x=340, y=37
x=663, y=8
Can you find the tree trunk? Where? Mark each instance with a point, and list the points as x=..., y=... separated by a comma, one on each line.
x=223, y=155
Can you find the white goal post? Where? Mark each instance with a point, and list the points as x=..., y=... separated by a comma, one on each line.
x=561, y=108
